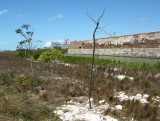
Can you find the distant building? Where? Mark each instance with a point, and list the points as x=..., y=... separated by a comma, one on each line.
x=56, y=44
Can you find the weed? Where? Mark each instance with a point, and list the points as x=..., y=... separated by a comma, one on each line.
x=45, y=96
x=115, y=113
x=26, y=81
x=18, y=106
x=65, y=111
x=6, y=79
x=157, y=66
x=155, y=91
x=10, y=89
x=106, y=112
x=140, y=111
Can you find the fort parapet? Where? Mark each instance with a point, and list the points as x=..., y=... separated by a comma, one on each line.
x=136, y=45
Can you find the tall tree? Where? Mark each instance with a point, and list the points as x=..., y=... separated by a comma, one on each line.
x=28, y=41
x=93, y=54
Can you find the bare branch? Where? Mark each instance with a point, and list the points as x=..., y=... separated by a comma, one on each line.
x=37, y=43
x=24, y=36
x=106, y=26
x=98, y=33
x=101, y=15
x=103, y=30
x=90, y=16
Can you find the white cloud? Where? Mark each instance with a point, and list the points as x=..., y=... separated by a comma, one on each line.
x=143, y=19
x=3, y=11
x=55, y=17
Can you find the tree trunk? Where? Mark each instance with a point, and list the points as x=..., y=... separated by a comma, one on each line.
x=91, y=71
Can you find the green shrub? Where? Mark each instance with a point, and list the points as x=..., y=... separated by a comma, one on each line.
x=39, y=112
x=6, y=79
x=36, y=54
x=26, y=81
x=51, y=55
x=145, y=66
x=111, y=62
x=24, y=53
x=140, y=111
x=63, y=50
x=157, y=66
x=74, y=60
x=9, y=89
x=18, y=107
x=155, y=91
x=114, y=113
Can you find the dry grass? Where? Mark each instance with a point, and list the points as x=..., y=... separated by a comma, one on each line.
x=73, y=82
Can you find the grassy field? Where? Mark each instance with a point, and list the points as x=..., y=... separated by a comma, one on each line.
x=24, y=97
x=150, y=61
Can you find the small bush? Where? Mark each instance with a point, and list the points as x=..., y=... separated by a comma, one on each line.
x=6, y=79
x=106, y=112
x=17, y=106
x=157, y=66
x=155, y=91
x=51, y=55
x=26, y=81
x=114, y=113
x=140, y=111
x=37, y=113
x=24, y=53
x=37, y=54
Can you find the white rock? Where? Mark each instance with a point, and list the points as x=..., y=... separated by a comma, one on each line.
x=121, y=77
x=122, y=96
x=138, y=96
x=118, y=107
x=87, y=105
x=131, y=78
x=145, y=96
x=115, y=69
x=91, y=99
x=79, y=111
x=66, y=64
x=64, y=105
x=157, y=76
x=143, y=100
x=101, y=101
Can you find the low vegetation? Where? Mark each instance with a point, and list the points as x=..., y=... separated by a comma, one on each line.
x=49, y=55
x=58, y=53
x=25, y=97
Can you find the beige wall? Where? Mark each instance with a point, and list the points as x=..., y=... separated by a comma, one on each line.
x=134, y=52
x=127, y=38
x=140, y=45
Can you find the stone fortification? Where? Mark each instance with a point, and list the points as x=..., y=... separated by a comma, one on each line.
x=136, y=45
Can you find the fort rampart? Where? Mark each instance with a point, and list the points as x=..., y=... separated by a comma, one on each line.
x=136, y=45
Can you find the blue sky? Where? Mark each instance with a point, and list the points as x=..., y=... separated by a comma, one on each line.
x=55, y=20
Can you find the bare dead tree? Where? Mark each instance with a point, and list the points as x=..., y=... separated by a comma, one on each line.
x=93, y=54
